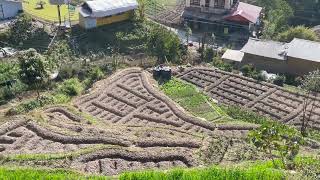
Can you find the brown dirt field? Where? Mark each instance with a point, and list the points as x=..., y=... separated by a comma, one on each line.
x=264, y=98
x=138, y=127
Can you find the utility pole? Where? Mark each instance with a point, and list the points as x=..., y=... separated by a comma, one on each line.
x=1, y=11
x=59, y=15
x=69, y=16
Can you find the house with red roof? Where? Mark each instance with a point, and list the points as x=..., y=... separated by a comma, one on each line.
x=223, y=15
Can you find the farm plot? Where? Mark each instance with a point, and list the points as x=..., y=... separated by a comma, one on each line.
x=130, y=99
x=263, y=98
x=123, y=124
x=167, y=12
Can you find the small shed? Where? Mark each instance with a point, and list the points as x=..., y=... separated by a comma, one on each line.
x=233, y=57
x=10, y=8
x=101, y=12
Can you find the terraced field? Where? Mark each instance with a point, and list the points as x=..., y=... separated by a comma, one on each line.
x=263, y=98
x=124, y=124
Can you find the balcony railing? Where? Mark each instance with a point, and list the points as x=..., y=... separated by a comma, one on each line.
x=215, y=10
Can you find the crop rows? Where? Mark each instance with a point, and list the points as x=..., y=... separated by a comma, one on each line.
x=131, y=100
x=263, y=98
x=115, y=161
x=139, y=127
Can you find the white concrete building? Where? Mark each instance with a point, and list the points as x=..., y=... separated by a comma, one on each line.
x=10, y=8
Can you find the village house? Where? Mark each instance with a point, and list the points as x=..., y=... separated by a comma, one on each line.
x=298, y=57
x=101, y=12
x=10, y=8
x=222, y=15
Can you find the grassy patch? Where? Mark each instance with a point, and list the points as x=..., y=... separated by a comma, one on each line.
x=192, y=100
x=240, y=114
x=218, y=173
x=49, y=12
x=40, y=174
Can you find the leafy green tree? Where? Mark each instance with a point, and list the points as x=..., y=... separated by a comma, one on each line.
x=298, y=32
x=277, y=140
x=33, y=69
x=21, y=29
x=164, y=44
x=59, y=54
x=311, y=84
x=278, y=12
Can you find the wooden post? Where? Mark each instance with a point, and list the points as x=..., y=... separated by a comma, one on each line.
x=59, y=15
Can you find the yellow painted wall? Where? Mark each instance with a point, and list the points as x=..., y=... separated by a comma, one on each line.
x=115, y=18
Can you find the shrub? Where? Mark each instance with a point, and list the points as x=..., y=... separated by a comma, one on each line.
x=219, y=63
x=241, y=114
x=250, y=71
x=277, y=140
x=279, y=80
x=298, y=32
x=208, y=54
x=31, y=105
x=71, y=87
x=293, y=80
x=95, y=74
x=61, y=98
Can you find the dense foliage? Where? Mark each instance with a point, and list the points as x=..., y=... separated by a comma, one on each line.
x=33, y=69
x=278, y=12
x=300, y=32
x=71, y=87
x=21, y=29
x=278, y=140
x=164, y=44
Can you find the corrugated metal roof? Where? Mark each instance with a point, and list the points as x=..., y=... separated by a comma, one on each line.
x=233, y=55
x=17, y=1
x=248, y=11
x=304, y=49
x=102, y=8
x=266, y=48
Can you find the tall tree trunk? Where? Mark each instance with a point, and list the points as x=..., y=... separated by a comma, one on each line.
x=304, y=114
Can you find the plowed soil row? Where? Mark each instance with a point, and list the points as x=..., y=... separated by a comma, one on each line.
x=138, y=127
x=263, y=98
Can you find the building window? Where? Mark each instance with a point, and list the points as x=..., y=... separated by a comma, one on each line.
x=195, y=2
x=219, y=3
x=207, y=3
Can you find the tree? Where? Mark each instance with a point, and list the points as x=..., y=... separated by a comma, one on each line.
x=277, y=140
x=311, y=85
x=21, y=29
x=188, y=33
x=278, y=12
x=164, y=44
x=298, y=32
x=142, y=9
x=33, y=70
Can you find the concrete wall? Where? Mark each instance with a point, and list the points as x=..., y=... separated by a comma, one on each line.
x=9, y=8
x=115, y=18
x=290, y=66
x=89, y=23
x=301, y=67
x=264, y=63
